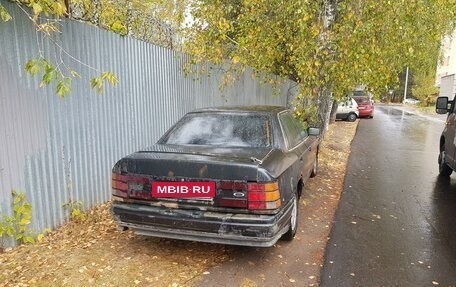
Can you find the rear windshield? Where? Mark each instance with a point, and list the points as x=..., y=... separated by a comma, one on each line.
x=362, y=100
x=221, y=129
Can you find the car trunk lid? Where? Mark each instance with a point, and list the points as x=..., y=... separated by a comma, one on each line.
x=232, y=170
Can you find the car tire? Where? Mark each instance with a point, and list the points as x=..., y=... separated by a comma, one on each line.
x=314, y=171
x=290, y=234
x=444, y=169
x=351, y=117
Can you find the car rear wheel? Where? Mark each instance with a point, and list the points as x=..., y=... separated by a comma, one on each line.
x=351, y=117
x=315, y=167
x=444, y=169
x=293, y=220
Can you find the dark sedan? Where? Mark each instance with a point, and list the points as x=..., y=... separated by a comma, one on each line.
x=230, y=175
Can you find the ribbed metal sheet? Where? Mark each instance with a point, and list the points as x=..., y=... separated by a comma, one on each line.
x=61, y=150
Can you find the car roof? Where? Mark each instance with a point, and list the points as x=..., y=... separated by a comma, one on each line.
x=362, y=98
x=260, y=109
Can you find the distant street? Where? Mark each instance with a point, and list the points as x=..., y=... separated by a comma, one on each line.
x=396, y=221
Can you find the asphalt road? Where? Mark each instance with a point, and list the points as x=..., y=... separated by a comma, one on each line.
x=396, y=221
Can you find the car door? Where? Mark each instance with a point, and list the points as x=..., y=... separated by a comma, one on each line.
x=341, y=110
x=298, y=142
x=450, y=140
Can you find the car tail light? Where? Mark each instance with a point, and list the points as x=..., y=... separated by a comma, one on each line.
x=263, y=196
x=132, y=186
x=232, y=194
x=119, y=185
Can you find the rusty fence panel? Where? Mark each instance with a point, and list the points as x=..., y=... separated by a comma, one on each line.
x=58, y=151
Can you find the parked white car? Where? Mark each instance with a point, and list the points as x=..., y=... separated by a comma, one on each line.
x=411, y=101
x=347, y=110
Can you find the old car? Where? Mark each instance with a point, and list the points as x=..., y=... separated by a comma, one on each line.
x=230, y=175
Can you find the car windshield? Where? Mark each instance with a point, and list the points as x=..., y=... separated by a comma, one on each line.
x=362, y=100
x=221, y=129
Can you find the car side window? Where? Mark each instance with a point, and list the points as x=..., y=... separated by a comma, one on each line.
x=293, y=130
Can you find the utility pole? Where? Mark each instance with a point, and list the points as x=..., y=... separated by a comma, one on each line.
x=406, y=84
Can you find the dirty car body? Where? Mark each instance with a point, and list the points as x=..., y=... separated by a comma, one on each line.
x=257, y=160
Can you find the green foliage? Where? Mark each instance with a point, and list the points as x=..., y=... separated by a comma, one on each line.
x=63, y=83
x=51, y=73
x=424, y=89
x=97, y=82
x=76, y=210
x=119, y=28
x=154, y=21
x=375, y=40
x=4, y=15
x=63, y=87
x=56, y=8
x=15, y=225
x=362, y=42
x=304, y=109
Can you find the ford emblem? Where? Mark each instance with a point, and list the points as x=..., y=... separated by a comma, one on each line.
x=238, y=194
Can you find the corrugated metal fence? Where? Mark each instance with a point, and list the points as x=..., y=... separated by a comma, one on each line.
x=61, y=150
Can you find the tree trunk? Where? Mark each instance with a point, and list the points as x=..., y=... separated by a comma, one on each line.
x=332, y=117
x=330, y=11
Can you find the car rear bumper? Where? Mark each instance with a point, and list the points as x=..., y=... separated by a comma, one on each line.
x=367, y=112
x=206, y=226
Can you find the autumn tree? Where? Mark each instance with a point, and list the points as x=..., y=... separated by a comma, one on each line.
x=327, y=46
x=153, y=21
x=324, y=45
x=424, y=89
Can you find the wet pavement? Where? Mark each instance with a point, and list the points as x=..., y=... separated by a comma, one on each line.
x=396, y=221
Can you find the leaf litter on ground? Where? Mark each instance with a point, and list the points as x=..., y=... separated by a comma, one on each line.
x=93, y=252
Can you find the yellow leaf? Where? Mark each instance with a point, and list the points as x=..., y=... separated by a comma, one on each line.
x=24, y=222
x=37, y=8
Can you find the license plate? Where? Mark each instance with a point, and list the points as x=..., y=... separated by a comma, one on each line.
x=183, y=189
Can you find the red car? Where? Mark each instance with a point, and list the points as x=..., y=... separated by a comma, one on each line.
x=365, y=106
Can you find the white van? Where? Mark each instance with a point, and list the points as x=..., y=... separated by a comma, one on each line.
x=347, y=110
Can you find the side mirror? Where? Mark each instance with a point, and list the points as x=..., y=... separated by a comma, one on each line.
x=443, y=105
x=314, y=131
